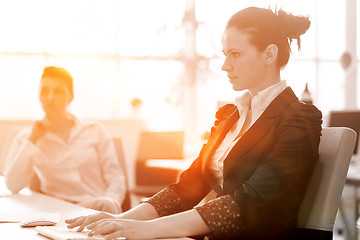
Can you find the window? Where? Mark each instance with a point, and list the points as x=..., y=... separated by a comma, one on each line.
x=118, y=50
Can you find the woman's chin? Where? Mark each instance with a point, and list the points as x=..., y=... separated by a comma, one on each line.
x=237, y=88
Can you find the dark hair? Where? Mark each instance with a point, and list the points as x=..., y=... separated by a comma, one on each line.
x=60, y=74
x=266, y=27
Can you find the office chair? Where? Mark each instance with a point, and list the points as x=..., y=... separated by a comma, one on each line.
x=323, y=194
x=156, y=145
x=346, y=118
x=126, y=204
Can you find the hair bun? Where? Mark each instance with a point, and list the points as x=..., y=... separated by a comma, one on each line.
x=294, y=26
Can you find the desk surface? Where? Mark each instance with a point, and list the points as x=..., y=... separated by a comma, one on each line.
x=31, y=202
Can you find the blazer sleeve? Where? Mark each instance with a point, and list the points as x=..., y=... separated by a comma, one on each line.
x=184, y=195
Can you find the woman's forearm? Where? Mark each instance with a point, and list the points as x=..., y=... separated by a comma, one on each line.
x=16, y=179
x=188, y=223
x=144, y=211
x=18, y=169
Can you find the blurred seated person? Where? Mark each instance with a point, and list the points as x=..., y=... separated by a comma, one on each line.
x=74, y=160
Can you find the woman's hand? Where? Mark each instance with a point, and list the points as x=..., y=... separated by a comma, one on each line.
x=188, y=223
x=144, y=211
x=38, y=130
x=130, y=229
x=84, y=221
x=102, y=204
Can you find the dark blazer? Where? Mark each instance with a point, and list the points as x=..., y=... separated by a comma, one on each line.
x=265, y=174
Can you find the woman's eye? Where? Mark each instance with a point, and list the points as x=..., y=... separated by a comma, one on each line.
x=59, y=92
x=235, y=54
x=44, y=91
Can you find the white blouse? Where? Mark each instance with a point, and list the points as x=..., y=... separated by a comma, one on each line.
x=84, y=167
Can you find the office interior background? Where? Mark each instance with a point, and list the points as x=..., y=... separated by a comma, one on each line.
x=165, y=53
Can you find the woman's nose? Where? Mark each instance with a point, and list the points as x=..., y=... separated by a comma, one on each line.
x=49, y=95
x=226, y=67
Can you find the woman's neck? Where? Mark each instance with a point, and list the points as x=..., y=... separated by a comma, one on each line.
x=60, y=121
x=271, y=78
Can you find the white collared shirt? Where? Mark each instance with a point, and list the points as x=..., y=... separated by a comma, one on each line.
x=248, y=116
x=84, y=167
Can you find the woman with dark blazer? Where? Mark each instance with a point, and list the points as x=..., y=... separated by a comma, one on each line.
x=258, y=159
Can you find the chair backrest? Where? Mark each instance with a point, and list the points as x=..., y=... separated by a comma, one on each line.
x=346, y=118
x=126, y=204
x=156, y=145
x=322, y=197
x=161, y=145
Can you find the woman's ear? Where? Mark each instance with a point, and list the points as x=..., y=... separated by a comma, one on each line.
x=70, y=98
x=271, y=53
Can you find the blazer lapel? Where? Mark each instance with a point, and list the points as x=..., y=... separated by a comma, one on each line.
x=214, y=141
x=218, y=136
x=259, y=128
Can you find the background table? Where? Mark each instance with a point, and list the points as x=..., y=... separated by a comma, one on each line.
x=176, y=164
x=349, y=205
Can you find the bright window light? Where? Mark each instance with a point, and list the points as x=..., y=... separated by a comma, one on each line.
x=119, y=50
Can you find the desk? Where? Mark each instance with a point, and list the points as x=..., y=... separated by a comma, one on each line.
x=31, y=202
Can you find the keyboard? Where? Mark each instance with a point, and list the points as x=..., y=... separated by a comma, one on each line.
x=63, y=233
